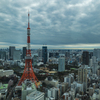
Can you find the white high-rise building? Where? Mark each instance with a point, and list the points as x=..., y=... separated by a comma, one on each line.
x=53, y=92
x=94, y=64
x=93, y=59
x=49, y=93
x=82, y=76
x=61, y=65
x=90, y=62
x=95, y=67
x=96, y=53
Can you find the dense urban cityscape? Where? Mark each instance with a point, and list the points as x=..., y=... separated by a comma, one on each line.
x=62, y=74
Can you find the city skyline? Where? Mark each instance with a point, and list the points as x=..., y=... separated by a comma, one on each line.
x=59, y=24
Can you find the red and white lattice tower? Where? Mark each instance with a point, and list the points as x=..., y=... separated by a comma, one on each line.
x=28, y=70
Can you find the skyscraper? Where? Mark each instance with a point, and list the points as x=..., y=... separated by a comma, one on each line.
x=82, y=76
x=61, y=66
x=85, y=58
x=67, y=54
x=90, y=55
x=11, y=51
x=39, y=52
x=44, y=54
x=24, y=52
x=2, y=55
x=96, y=53
x=16, y=55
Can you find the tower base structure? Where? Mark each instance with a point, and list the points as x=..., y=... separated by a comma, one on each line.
x=28, y=73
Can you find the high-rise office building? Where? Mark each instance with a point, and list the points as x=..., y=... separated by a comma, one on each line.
x=96, y=53
x=7, y=55
x=85, y=58
x=16, y=55
x=39, y=52
x=95, y=67
x=35, y=58
x=61, y=65
x=94, y=59
x=2, y=55
x=24, y=52
x=44, y=54
x=11, y=51
x=67, y=54
x=82, y=76
x=90, y=55
x=90, y=63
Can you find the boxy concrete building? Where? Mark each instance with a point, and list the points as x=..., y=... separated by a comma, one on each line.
x=36, y=95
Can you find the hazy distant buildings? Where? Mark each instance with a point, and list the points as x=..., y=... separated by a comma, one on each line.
x=16, y=55
x=24, y=52
x=11, y=50
x=3, y=55
x=96, y=53
x=67, y=54
x=39, y=53
x=61, y=65
x=85, y=58
x=54, y=54
x=44, y=54
x=35, y=58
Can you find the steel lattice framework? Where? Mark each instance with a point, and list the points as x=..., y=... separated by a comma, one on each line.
x=28, y=70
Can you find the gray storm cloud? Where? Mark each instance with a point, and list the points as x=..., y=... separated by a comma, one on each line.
x=55, y=23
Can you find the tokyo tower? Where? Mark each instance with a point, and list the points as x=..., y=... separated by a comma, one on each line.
x=28, y=70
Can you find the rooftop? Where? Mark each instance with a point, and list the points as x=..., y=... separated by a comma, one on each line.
x=35, y=94
x=4, y=86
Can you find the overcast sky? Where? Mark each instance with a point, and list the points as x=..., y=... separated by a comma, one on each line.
x=55, y=23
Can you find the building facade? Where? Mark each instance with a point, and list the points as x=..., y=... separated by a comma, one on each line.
x=24, y=52
x=16, y=55
x=85, y=58
x=96, y=53
x=3, y=55
x=39, y=52
x=11, y=51
x=82, y=76
x=36, y=95
x=61, y=65
x=44, y=54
